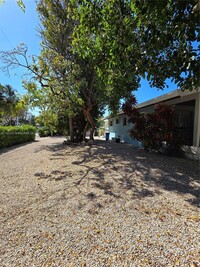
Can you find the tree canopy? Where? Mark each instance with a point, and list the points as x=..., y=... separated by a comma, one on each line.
x=152, y=39
x=94, y=53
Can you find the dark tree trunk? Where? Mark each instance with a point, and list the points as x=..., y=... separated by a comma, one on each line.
x=71, y=129
x=91, y=122
x=85, y=130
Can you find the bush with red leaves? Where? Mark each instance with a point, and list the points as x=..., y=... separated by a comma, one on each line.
x=155, y=130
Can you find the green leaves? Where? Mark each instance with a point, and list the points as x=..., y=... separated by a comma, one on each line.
x=167, y=33
x=21, y=5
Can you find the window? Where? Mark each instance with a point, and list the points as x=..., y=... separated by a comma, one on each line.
x=111, y=123
x=117, y=121
x=124, y=122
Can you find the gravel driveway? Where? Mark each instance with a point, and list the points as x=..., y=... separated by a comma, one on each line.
x=106, y=205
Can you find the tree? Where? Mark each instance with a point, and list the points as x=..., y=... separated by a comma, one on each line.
x=103, y=36
x=168, y=34
x=152, y=39
x=79, y=83
x=95, y=52
x=48, y=119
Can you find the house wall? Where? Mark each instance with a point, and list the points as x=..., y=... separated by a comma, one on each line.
x=118, y=129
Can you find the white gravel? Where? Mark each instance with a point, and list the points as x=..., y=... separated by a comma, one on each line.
x=106, y=205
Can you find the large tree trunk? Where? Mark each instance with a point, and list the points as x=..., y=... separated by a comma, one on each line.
x=91, y=122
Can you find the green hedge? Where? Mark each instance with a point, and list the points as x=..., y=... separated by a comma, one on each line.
x=12, y=135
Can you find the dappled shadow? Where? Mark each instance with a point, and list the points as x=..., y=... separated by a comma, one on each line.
x=119, y=171
x=106, y=187
x=54, y=175
x=55, y=147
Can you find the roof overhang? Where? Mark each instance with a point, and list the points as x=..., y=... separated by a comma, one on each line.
x=172, y=95
x=176, y=94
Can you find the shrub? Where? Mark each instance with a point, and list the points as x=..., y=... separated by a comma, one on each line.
x=12, y=135
x=44, y=131
x=156, y=130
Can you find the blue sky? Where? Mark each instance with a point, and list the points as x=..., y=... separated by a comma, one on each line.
x=18, y=27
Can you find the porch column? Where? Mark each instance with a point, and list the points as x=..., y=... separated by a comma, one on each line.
x=196, y=135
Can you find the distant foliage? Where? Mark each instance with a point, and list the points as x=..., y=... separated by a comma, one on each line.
x=13, y=108
x=155, y=130
x=12, y=135
x=44, y=131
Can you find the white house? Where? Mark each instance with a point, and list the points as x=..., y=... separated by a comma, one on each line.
x=118, y=127
x=187, y=109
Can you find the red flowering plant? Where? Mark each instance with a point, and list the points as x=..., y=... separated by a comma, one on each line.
x=155, y=130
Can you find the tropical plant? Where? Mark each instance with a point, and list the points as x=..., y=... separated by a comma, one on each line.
x=155, y=130
x=13, y=108
x=8, y=102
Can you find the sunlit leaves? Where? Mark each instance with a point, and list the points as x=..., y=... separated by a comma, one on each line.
x=21, y=5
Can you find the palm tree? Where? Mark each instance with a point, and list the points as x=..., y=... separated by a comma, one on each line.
x=8, y=101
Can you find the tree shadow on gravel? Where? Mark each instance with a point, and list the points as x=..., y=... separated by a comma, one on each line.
x=54, y=175
x=54, y=147
x=108, y=169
